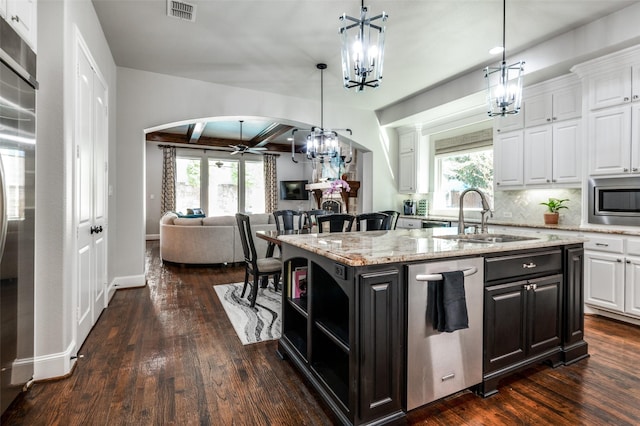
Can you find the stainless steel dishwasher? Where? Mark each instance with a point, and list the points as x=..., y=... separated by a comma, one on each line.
x=441, y=364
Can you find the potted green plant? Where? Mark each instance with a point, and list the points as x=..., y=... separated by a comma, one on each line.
x=553, y=207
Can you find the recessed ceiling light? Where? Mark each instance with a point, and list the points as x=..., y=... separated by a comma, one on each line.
x=496, y=50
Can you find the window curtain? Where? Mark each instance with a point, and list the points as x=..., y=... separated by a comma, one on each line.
x=270, y=183
x=168, y=196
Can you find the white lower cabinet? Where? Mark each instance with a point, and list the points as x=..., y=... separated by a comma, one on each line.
x=632, y=278
x=612, y=274
x=604, y=280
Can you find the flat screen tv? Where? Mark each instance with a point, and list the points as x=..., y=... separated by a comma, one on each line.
x=293, y=190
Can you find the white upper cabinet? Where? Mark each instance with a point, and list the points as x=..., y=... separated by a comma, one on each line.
x=551, y=154
x=3, y=8
x=567, y=152
x=612, y=85
x=615, y=87
x=548, y=152
x=563, y=103
x=508, y=160
x=510, y=122
x=614, y=136
x=413, y=163
x=22, y=15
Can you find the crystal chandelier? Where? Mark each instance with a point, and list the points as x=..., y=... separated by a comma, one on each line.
x=362, y=49
x=321, y=143
x=504, y=83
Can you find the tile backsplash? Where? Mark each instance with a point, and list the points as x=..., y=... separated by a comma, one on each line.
x=521, y=206
x=525, y=207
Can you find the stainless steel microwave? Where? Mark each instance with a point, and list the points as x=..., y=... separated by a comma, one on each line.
x=614, y=201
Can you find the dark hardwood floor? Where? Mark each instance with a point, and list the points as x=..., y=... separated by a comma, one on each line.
x=167, y=354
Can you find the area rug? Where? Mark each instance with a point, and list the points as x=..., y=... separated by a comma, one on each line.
x=252, y=325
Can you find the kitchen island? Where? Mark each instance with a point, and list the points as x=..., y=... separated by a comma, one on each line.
x=345, y=312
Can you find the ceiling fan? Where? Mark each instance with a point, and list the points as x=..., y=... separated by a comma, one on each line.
x=241, y=148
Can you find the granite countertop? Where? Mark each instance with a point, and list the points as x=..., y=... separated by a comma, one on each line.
x=408, y=245
x=601, y=229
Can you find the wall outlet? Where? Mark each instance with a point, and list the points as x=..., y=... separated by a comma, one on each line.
x=506, y=214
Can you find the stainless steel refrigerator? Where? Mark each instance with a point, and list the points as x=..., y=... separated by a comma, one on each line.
x=17, y=202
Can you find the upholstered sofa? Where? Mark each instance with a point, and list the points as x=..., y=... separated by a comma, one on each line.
x=208, y=240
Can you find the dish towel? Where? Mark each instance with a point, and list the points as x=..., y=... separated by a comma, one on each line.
x=446, y=303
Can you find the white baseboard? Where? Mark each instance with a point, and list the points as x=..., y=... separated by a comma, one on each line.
x=151, y=237
x=21, y=371
x=130, y=281
x=56, y=365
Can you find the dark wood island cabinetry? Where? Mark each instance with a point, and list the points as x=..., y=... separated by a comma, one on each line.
x=347, y=331
x=346, y=334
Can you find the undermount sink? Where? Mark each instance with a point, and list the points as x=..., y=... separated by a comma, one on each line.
x=485, y=238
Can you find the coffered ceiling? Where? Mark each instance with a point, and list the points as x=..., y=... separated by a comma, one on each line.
x=273, y=45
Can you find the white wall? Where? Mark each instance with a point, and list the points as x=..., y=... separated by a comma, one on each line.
x=147, y=100
x=55, y=236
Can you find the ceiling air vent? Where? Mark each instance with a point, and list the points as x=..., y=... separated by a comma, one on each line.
x=181, y=10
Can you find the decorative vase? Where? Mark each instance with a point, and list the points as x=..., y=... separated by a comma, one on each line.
x=551, y=218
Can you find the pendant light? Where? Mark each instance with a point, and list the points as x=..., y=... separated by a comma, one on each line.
x=504, y=83
x=362, y=49
x=321, y=143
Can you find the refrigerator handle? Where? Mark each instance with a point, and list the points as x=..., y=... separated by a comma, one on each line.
x=3, y=210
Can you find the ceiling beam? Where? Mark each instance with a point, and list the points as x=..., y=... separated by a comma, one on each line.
x=271, y=132
x=205, y=141
x=194, y=132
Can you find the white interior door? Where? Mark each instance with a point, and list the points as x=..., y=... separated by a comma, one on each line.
x=90, y=194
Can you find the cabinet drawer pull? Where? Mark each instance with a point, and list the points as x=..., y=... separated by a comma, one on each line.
x=529, y=265
x=15, y=18
x=626, y=99
x=602, y=244
x=448, y=376
x=619, y=260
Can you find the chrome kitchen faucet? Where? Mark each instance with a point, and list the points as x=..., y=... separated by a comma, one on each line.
x=485, y=209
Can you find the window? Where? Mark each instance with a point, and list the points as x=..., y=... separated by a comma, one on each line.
x=223, y=187
x=254, y=186
x=461, y=163
x=220, y=186
x=187, y=183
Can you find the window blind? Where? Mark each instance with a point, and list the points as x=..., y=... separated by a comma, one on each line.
x=466, y=142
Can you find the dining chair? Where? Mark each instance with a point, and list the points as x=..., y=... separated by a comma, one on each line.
x=310, y=217
x=337, y=222
x=258, y=268
x=372, y=221
x=393, y=222
x=286, y=219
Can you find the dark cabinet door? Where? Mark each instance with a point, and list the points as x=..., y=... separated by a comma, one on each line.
x=574, y=302
x=544, y=302
x=379, y=349
x=504, y=325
